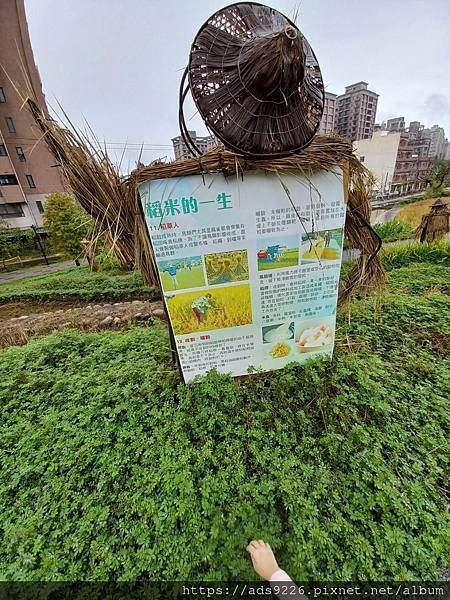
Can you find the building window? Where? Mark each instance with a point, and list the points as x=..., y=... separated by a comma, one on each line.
x=40, y=207
x=362, y=158
x=31, y=181
x=20, y=153
x=8, y=180
x=2, y=95
x=10, y=125
x=9, y=211
x=3, y=150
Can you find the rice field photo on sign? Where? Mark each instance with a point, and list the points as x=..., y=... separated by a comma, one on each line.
x=321, y=246
x=226, y=267
x=217, y=308
x=181, y=273
x=278, y=252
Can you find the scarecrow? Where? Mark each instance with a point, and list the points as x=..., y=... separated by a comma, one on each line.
x=435, y=224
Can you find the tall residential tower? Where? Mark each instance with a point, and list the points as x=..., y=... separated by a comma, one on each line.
x=355, y=112
x=27, y=169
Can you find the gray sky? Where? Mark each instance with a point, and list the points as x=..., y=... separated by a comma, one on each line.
x=118, y=63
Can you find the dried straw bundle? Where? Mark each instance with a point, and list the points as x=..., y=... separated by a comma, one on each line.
x=95, y=182
x=113, y=201
x=435, y=224
x=324, y=153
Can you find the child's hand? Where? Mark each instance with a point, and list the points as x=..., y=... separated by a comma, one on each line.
x=263, y=559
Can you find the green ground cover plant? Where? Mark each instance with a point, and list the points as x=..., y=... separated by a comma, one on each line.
x=78, y=283
x=113, y=469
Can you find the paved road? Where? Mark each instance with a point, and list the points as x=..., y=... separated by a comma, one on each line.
x=38, y=270
x=385, y=216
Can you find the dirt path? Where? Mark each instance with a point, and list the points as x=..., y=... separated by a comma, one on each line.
x=16, y=331
x=38, y=270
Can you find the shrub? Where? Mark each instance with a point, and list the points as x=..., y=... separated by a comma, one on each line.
x=394, y=230
x=108, y=262
x=112, y=469
x=402, y=255
x=66, y=222
x=76, y=282
x=440, y=179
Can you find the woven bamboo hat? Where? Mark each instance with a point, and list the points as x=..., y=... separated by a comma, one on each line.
x=256, y=81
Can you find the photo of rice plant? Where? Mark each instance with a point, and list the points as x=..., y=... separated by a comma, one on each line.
x=321, y=246
x=217, y=308
x=226, y=267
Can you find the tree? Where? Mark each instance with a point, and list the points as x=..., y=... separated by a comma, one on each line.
x=440, y=179
x=67, y=223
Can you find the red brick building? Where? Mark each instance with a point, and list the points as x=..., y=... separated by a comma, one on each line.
x=413, y=165
x=27, y=169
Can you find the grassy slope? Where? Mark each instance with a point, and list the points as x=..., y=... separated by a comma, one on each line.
x=413, y=213
x=113, y=469
x=76, y=282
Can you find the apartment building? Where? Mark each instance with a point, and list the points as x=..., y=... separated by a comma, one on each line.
x=356, y=111
x=399, y=160
x=27, y=169
x=328, y=121
x=204, y=144
x=436, y=135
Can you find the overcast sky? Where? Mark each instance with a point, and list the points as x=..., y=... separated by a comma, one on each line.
x=118, y=63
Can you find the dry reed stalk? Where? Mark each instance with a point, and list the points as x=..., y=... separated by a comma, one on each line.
x=95, y=182
x=113, y=202
x=435, y=224
x=324, y=153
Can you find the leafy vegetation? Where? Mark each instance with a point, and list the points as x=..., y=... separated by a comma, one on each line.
x=440, y=179
x=18, y=243
x=394, y=230
x=401, y=255
x=66, y=222
x=113, y=469
x=76, y=282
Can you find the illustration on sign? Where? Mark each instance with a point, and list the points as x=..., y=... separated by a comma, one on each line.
x=249, y=274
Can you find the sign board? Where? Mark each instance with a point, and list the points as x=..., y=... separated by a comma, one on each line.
x=249, y=266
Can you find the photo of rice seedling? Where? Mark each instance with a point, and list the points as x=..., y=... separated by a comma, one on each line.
x=181, y=273
x=217, y=308
x=226, y=267
x=279, y=252
x=321, y=246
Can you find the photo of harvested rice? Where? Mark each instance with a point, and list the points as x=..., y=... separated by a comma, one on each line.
x=321, y=246
x=280, y=350
x=226, y=267
x=217, y=308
